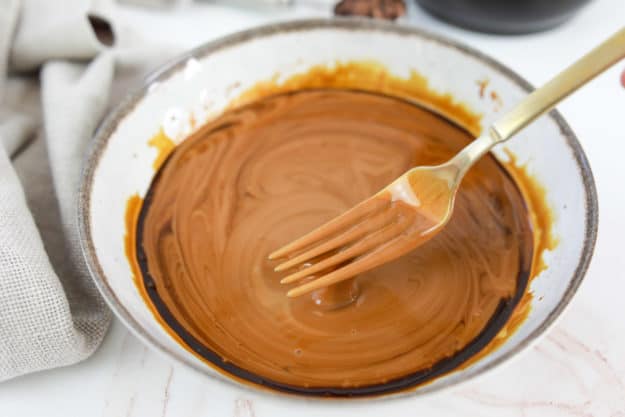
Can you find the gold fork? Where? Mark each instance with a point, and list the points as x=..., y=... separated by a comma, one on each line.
x=417, y=205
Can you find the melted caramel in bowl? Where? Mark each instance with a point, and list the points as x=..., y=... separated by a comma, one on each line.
x=270, y=171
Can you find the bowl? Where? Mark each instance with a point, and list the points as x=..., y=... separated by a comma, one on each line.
x=200, y=84
x=506, y=17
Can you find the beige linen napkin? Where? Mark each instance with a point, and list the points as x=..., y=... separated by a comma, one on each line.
x=58, y=68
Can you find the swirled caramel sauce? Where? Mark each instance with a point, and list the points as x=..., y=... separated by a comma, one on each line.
x=263, y=174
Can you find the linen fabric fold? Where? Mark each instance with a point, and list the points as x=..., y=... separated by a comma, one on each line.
x=57, y=75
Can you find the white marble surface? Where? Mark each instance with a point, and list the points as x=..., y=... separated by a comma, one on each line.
x=576, y=370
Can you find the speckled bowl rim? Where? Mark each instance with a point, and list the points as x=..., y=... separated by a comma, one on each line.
x=109, y=124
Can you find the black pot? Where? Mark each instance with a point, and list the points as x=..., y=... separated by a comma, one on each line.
x=504, y=16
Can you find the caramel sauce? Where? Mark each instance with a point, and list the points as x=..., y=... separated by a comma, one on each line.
x=482, y=85
x=304, y=370
x=133, y=208
x=542, y=219
x=369, y=76
x=163, y=145
x=542, y=215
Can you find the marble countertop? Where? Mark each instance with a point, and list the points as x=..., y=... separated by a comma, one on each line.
x=576, y=370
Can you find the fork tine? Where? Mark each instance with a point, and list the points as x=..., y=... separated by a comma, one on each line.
x=375, y=239
x=339, y=223
x=349, y=236
x=369, y=261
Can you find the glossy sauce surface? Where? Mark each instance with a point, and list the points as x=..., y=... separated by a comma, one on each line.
x=262, y=175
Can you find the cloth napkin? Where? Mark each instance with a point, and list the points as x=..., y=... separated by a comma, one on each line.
x=60, y=70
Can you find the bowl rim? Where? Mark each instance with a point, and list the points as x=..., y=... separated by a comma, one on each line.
x=109, y=124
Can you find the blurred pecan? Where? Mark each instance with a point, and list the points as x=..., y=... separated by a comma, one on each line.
x=382, y=9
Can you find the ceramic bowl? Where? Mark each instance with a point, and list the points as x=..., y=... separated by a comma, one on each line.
x=202, y=82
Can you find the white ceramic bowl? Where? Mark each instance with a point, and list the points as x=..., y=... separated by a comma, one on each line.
x=202, y=83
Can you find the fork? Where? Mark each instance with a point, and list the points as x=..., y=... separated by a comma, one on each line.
x=417, y=205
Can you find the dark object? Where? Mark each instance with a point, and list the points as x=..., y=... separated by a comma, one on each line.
x=102, y=29
x=381, y=9
x=504, y=16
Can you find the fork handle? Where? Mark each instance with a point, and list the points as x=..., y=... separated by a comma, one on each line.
x=543, y=99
